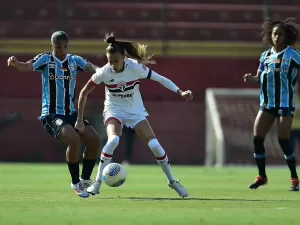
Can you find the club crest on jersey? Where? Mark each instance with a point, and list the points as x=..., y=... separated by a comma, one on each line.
x=121, y=85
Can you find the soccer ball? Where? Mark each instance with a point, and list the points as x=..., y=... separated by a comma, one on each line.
x=114, y=175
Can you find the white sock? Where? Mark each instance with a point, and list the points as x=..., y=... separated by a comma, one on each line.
x=161, y=158
x=106, y=155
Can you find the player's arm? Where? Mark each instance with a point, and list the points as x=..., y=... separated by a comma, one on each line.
x=38, y=63
x=84, y=65
x=20, y=66
x=167, y=83
x=256, y=79
x=96, y=79
x=91, y=68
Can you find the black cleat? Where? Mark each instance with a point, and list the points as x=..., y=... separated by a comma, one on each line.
x=295, y=184
x=259, y=181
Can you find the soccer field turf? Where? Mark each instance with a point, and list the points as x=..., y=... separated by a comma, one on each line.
x=41, y=194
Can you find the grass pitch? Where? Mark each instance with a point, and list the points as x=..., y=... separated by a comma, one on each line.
x=40, y=194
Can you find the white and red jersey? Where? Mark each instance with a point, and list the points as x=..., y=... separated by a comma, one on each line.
x=122, y=89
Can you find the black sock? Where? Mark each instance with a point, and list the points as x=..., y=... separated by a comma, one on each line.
x=261, y=165
x=74, y=171
x=292, y=166
x=289, y=156
x=87, y=168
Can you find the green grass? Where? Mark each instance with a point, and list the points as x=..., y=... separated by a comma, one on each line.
x=41, y=194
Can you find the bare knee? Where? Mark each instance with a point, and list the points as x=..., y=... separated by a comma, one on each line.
x=69, y=136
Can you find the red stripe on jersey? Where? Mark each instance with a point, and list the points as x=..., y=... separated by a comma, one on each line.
x=161, y=158
x=131, y=82
x=92, y=82
x=106, y=155
x=116, y=85
x=111, y=85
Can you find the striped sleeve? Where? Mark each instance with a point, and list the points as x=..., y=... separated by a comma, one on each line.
x=261, y=66
x=80, y=62
x=296, y=58
x=40, y=61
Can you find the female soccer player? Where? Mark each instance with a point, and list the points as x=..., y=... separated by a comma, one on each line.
x=277, y=74
x=59, y=70
x=123, y=103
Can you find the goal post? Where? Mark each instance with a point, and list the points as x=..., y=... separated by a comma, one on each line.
x=216, y=146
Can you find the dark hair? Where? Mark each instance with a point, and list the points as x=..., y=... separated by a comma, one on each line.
x=290, y=29
x=132, y=49
x=59, y=35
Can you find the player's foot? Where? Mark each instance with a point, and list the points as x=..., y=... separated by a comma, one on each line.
x=295, y=184
x=94, y=188
x=80, y=190
x=259, y=181
x=181, y=191
x=86, y=183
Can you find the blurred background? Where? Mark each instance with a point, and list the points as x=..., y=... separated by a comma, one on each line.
x=199, y=44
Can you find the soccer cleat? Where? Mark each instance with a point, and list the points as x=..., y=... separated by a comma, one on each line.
x=94, y=188
x=259, y=181
x=86, y=183
x=181, y=191
x=80, y=190
x=295, y=184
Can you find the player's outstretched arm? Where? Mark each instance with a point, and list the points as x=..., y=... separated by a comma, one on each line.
x=81, y=105
x=20, y=66
x=91, y=68
x=248, y=77
x=187, y=95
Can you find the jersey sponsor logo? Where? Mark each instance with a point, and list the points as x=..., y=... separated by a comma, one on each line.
x=123, y=96
x=56, y=77
x=281, y=70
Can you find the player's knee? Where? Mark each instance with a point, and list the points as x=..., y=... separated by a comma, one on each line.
x=69, y=136
x=286, y=148
x=259, y=149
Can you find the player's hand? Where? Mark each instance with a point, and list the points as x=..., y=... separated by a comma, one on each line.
x=79, y=126
x=248, y=77
x=187, y=95
x=12, y=61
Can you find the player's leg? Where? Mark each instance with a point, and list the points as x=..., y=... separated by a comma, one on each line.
x=145, y=132
x=263, y=122
x=113, y=129
x=129, y=143
x=92, y=141
x=58, y=127
x=284, y=128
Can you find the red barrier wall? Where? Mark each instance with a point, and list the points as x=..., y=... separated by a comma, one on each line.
x=180, y=126
x=192, y=73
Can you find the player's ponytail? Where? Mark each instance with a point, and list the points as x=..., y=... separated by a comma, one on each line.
x=132, y=49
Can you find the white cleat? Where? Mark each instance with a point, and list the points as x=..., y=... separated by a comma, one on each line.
x=94, y=188
x=86, y=183
x=181, y=191
x=80, y=190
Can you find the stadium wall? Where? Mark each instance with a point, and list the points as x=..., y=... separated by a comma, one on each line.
x=25, y=140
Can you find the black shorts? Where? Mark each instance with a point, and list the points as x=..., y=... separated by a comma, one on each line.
x=53, y=123
x=278, y=111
